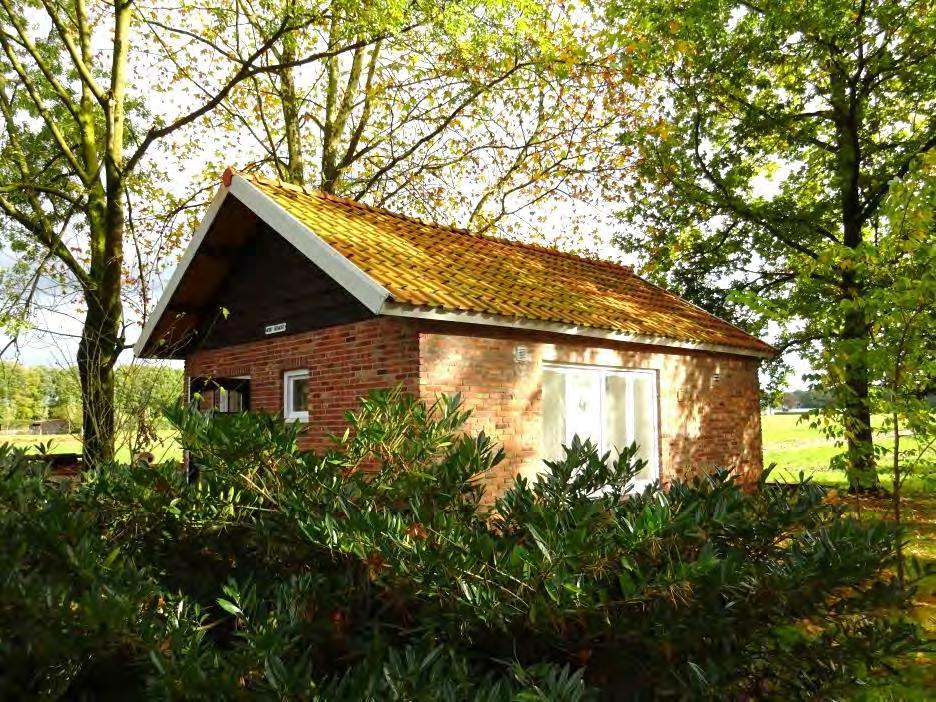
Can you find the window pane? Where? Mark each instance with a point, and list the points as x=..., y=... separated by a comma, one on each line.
x=583, y=406
x=645, y=422
x=223, y=400
x=616, y=432
x=554, y=429
x=300, y=395
x=235, y=401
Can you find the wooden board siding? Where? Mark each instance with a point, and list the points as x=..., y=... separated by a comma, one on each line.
x=259, y=278
x=272, y=282
x=177, y=330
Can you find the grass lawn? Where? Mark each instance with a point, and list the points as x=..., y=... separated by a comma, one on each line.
x=794, y=447
x=166, y=449
x=916, y=676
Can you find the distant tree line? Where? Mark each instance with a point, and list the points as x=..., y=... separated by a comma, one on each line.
x=813, y=398
x=31, y=393
x=816, y=398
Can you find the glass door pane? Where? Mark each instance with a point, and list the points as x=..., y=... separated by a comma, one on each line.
x=554, y=414
x=618, y=428
x=644, y=412
x=583, y=406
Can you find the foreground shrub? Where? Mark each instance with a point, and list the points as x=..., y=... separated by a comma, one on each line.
x=377, y=571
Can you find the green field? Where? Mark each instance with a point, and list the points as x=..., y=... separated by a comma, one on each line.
x=166, y=449
x=794, y=447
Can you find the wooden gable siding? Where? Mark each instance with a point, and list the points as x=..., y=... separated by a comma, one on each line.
x=272, y=282
x=177, y=331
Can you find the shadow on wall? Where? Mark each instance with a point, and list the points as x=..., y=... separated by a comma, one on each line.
x=713, y=419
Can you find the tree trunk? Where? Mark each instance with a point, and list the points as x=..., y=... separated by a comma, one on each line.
x=96, y=358
x=295, y=167
x=338, y=107
x=102, y=337
x=898, y=544
x=329, y=168
x=862, y=473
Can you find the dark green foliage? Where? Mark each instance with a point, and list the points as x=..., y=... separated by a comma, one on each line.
x=378, y=572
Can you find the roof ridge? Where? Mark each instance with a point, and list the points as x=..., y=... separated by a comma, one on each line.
x=549, y=250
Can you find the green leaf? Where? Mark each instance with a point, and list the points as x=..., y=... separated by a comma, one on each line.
x=229, y=606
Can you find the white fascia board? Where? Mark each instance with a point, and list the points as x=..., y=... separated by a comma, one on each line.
x=368, y=291
x=395, y=309
x=213, y=207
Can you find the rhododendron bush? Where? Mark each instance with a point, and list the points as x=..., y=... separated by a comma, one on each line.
x=377, y=571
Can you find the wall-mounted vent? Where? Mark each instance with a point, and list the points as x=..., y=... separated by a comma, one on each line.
x=716, y=379
x=275, y=328
x=521, y=354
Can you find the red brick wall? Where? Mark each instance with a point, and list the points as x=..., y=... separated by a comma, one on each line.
x=703, y=422
x=344, y=363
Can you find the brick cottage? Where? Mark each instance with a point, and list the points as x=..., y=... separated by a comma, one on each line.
x=296, y=302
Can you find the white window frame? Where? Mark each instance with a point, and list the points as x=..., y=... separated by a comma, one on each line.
x=288, y=390
x=603, y=372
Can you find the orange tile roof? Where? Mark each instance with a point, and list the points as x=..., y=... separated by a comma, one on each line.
x=443, y=267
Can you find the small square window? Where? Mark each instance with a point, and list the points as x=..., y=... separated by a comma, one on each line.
x=296, y=396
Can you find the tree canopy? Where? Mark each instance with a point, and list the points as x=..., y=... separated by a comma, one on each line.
x=775, y=136
x=90, y=94
x=476, y=115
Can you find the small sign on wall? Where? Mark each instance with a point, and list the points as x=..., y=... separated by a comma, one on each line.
x=275, y=328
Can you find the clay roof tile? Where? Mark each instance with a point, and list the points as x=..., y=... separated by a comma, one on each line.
x=446, y=267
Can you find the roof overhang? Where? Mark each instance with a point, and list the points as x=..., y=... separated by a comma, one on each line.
x=396, y=309
x=368, y=291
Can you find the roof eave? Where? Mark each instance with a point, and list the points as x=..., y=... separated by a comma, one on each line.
x=139, y=348
x=397, y=309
